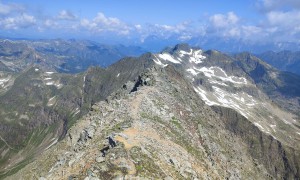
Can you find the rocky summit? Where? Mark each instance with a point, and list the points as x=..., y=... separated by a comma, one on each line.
x=190, y=114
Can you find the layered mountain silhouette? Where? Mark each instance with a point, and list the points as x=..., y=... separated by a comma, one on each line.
x=283, y=60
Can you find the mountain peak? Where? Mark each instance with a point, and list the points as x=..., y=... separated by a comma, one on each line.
x=183, y=47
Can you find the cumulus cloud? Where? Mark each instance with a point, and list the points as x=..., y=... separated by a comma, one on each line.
x=272, y=5
x=6, y=9
x=284, y=19
x=66, y=15
x=280, y=21
x=17, y=22
x=224, y=20
x=225, y=25
x=101, y=23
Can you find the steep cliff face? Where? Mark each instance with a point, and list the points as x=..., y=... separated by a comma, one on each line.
x=280, y=160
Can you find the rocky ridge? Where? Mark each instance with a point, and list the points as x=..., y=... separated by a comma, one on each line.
x=179, y=137
x=220, y=114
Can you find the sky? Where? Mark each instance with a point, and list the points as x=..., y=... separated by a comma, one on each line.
x=136, y=21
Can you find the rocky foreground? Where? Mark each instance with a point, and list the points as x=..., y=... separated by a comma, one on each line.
x=163, y=130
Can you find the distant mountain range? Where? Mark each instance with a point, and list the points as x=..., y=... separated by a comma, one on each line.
x=283, y=60
x=229, y=45
x=183, y=112
x=69, y=56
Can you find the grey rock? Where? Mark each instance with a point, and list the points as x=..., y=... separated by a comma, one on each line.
x=90, y=132
x=100, y=159
x=168, y=178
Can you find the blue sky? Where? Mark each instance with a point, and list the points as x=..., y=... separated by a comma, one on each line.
x=136, y=20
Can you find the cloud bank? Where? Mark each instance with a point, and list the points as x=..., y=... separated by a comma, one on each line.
x=279, y=22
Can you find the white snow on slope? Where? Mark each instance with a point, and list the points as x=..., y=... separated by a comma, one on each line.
x=192, y=71
x=49, y=83
x=168, y=57
x=259, y=126
x=157, y=61
x=217, y=73
x=54, y=142
x=183, y=53
x=49, y=72
x=203, y=96
x=2, y=81
x=51, y=101
x=195, y=55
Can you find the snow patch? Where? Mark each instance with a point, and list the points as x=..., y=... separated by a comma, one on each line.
x=2, y=81
x=168, y=57
x=273, y=126
x=192, y=71
x=77, y=111
x=49, y=73
x=183, y=53
x=197, y=57
x=36, y=69
x=54, y=142
x=216, y=72
x=285, y=121
x=203, y=96
x=217, y=82
x=50, y=83
x=51, y=101
x=157, y=61
x=259, y=126
x=58, y=85
x=83, y=81
x=118, y=75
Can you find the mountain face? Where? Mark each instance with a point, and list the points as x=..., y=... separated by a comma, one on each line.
x=37, y=107
x=283, y=60
x=68, y=56
x=183, y=113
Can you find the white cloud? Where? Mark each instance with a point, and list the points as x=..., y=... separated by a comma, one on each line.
x=224, y=25
x=49, y=23
x=66, y=15
x=284, y=19
x=272, y=5
x=101, y=23
x=221, y=20
x=138, y=26
x=6, y=9
x=17, y=22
